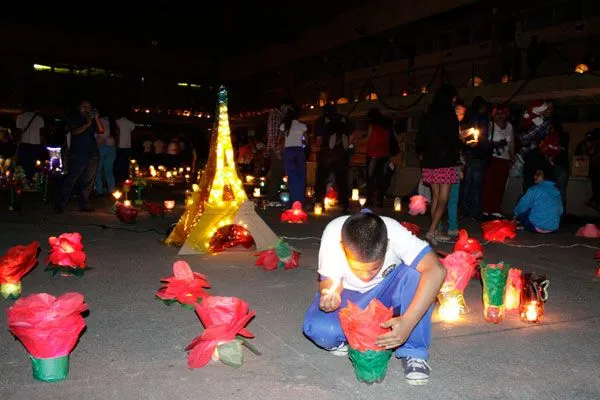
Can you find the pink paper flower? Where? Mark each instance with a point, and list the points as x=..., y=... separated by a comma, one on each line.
x=417, y=205
x=67, y=250
x=184, y=286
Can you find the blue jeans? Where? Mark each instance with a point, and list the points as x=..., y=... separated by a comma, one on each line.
x=396, y=290
x=472, y=189
x=453, y=207
x=107, y=160
x=294, y=161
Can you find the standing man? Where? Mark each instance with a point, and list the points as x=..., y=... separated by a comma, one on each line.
x=29, y=127
x=124, y=128
x=83, y=158
x=275, y=144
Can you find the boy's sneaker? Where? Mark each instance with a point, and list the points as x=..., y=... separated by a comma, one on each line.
x=416, y=370
x=341, y=350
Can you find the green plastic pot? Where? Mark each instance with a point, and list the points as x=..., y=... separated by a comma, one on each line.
x=50, y=369
x=370, y=366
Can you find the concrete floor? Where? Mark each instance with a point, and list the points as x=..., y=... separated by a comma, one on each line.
x=134, y=345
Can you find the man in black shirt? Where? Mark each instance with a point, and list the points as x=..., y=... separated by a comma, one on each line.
x=83, y=157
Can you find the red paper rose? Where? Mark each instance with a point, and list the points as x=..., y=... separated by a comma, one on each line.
x=47, y=326
x=67, y=251
x=184, y=286
x=362, y=327
x=154, y=209
x=282, y=255
x=499, y=230
x=295, y=214
x=17, y=262
x=468, y=245
x=126, y=214
x=223, y=318
x=230, y=236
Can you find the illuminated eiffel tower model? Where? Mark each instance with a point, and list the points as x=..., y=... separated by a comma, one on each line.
x=219, y=199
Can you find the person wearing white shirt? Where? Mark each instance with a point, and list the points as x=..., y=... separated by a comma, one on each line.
x=294, y=158
x=124, y=129
x=29, y=126
x=502, y=139
x=363, y=257
x=108, y=153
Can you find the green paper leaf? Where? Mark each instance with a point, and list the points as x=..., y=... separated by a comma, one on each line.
x=188, y=306
x=167, y=302
x=283, y=250
x=231, y=353
x=249, y=345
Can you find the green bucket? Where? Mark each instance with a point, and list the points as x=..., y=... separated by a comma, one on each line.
x=369, y=366
x=50, y=369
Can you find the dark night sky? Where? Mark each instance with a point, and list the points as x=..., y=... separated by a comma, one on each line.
x=220, y=24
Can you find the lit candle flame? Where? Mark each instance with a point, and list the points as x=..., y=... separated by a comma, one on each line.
x=117, y=194
x=355, y=195
x=449, y=310
x=531, y=313
x=362, y=201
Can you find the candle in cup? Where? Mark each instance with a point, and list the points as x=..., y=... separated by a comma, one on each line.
x=169, y=174
x=249, y=179
x=169, y=204
x=256, y=192
x=318, y=209
x=362, y=201
x=117, y=194
x=127, y=203
x=355, y=195
x=397, y=204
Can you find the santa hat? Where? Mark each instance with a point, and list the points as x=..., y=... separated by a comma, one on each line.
x=536, y=108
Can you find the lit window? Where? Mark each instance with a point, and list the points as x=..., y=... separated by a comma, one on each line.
x=40, y=67
x=195, y=85
x=182, y=84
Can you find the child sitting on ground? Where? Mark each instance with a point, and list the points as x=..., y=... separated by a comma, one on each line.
x=362, y=257
x=540, y=209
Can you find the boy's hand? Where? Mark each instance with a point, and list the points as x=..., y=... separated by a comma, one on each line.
x=330, y=301
x=400, y=332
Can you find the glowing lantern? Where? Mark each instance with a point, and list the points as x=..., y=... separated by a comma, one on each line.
x=505, y=78
x=169, y=204
x=256, y=192
x=424, y=89
x=318, y=209
x=355, y=194
x=372, y=97
x=127, y=203
x=284, y=197
x=285, y=179
x=362, y=200
x=533, y=296
x=169, y=174
x=342, y=100
x=494, y=278
x=310, y=192
x=161, y=167
x=328, y=203
x=117, y=194
x=582, y=68
x=181, y=170
x=397, y=204
x=188, y=169
x=38, y=163
x=153, y=173
x=450, y=306
x=249, y=179
x=195, y=187
x=514, y=285
x=295, y=214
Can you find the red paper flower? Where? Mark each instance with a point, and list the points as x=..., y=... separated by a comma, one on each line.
x=331, y=194
x=282, y=255
x=47, y=326
x=499, y=230
x=459, y=266
x=362, y=327
x=412, y=228
x=184, y=286
x=230, y=236
x=417, y=205
x=67, y=251
x=223, y=318
x=17, y=262
x=468, y=245
x=154, y=209
x=295, y=214
x=126, y=214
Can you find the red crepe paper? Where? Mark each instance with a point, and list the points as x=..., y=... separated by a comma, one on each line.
x=47, y=326
x=459, y=266
x=126, y=214
x=412, y=228
x=499, y=230
x=184, y=286
x=588, y=231
x=155, y=209
x=468, y=245
x=223, y=318
x=230, y=236
x=514, y=285
x=362, y=327
x=67, y=250
x=294, y=215
x=417, y=205
x=281, y=256
x=17, y=262
x=331, y=194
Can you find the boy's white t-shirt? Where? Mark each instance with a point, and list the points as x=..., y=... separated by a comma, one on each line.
x=403, y=247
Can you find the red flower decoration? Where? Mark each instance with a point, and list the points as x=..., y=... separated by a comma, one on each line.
x=417, y=205
x=459, y=266
x=154, y=209
x=126, y=214
x=184, y=286
x=331, y=194
x=282, y=255
x=223, y=318
x=412, y=228
x=295, y=214
x=362, y=327
x=499, y=230
x=468, y=245
x=17, y=262
x=67, y=251
x=47, y=326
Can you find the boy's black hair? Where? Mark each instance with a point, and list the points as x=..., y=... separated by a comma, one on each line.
x=365, y=234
